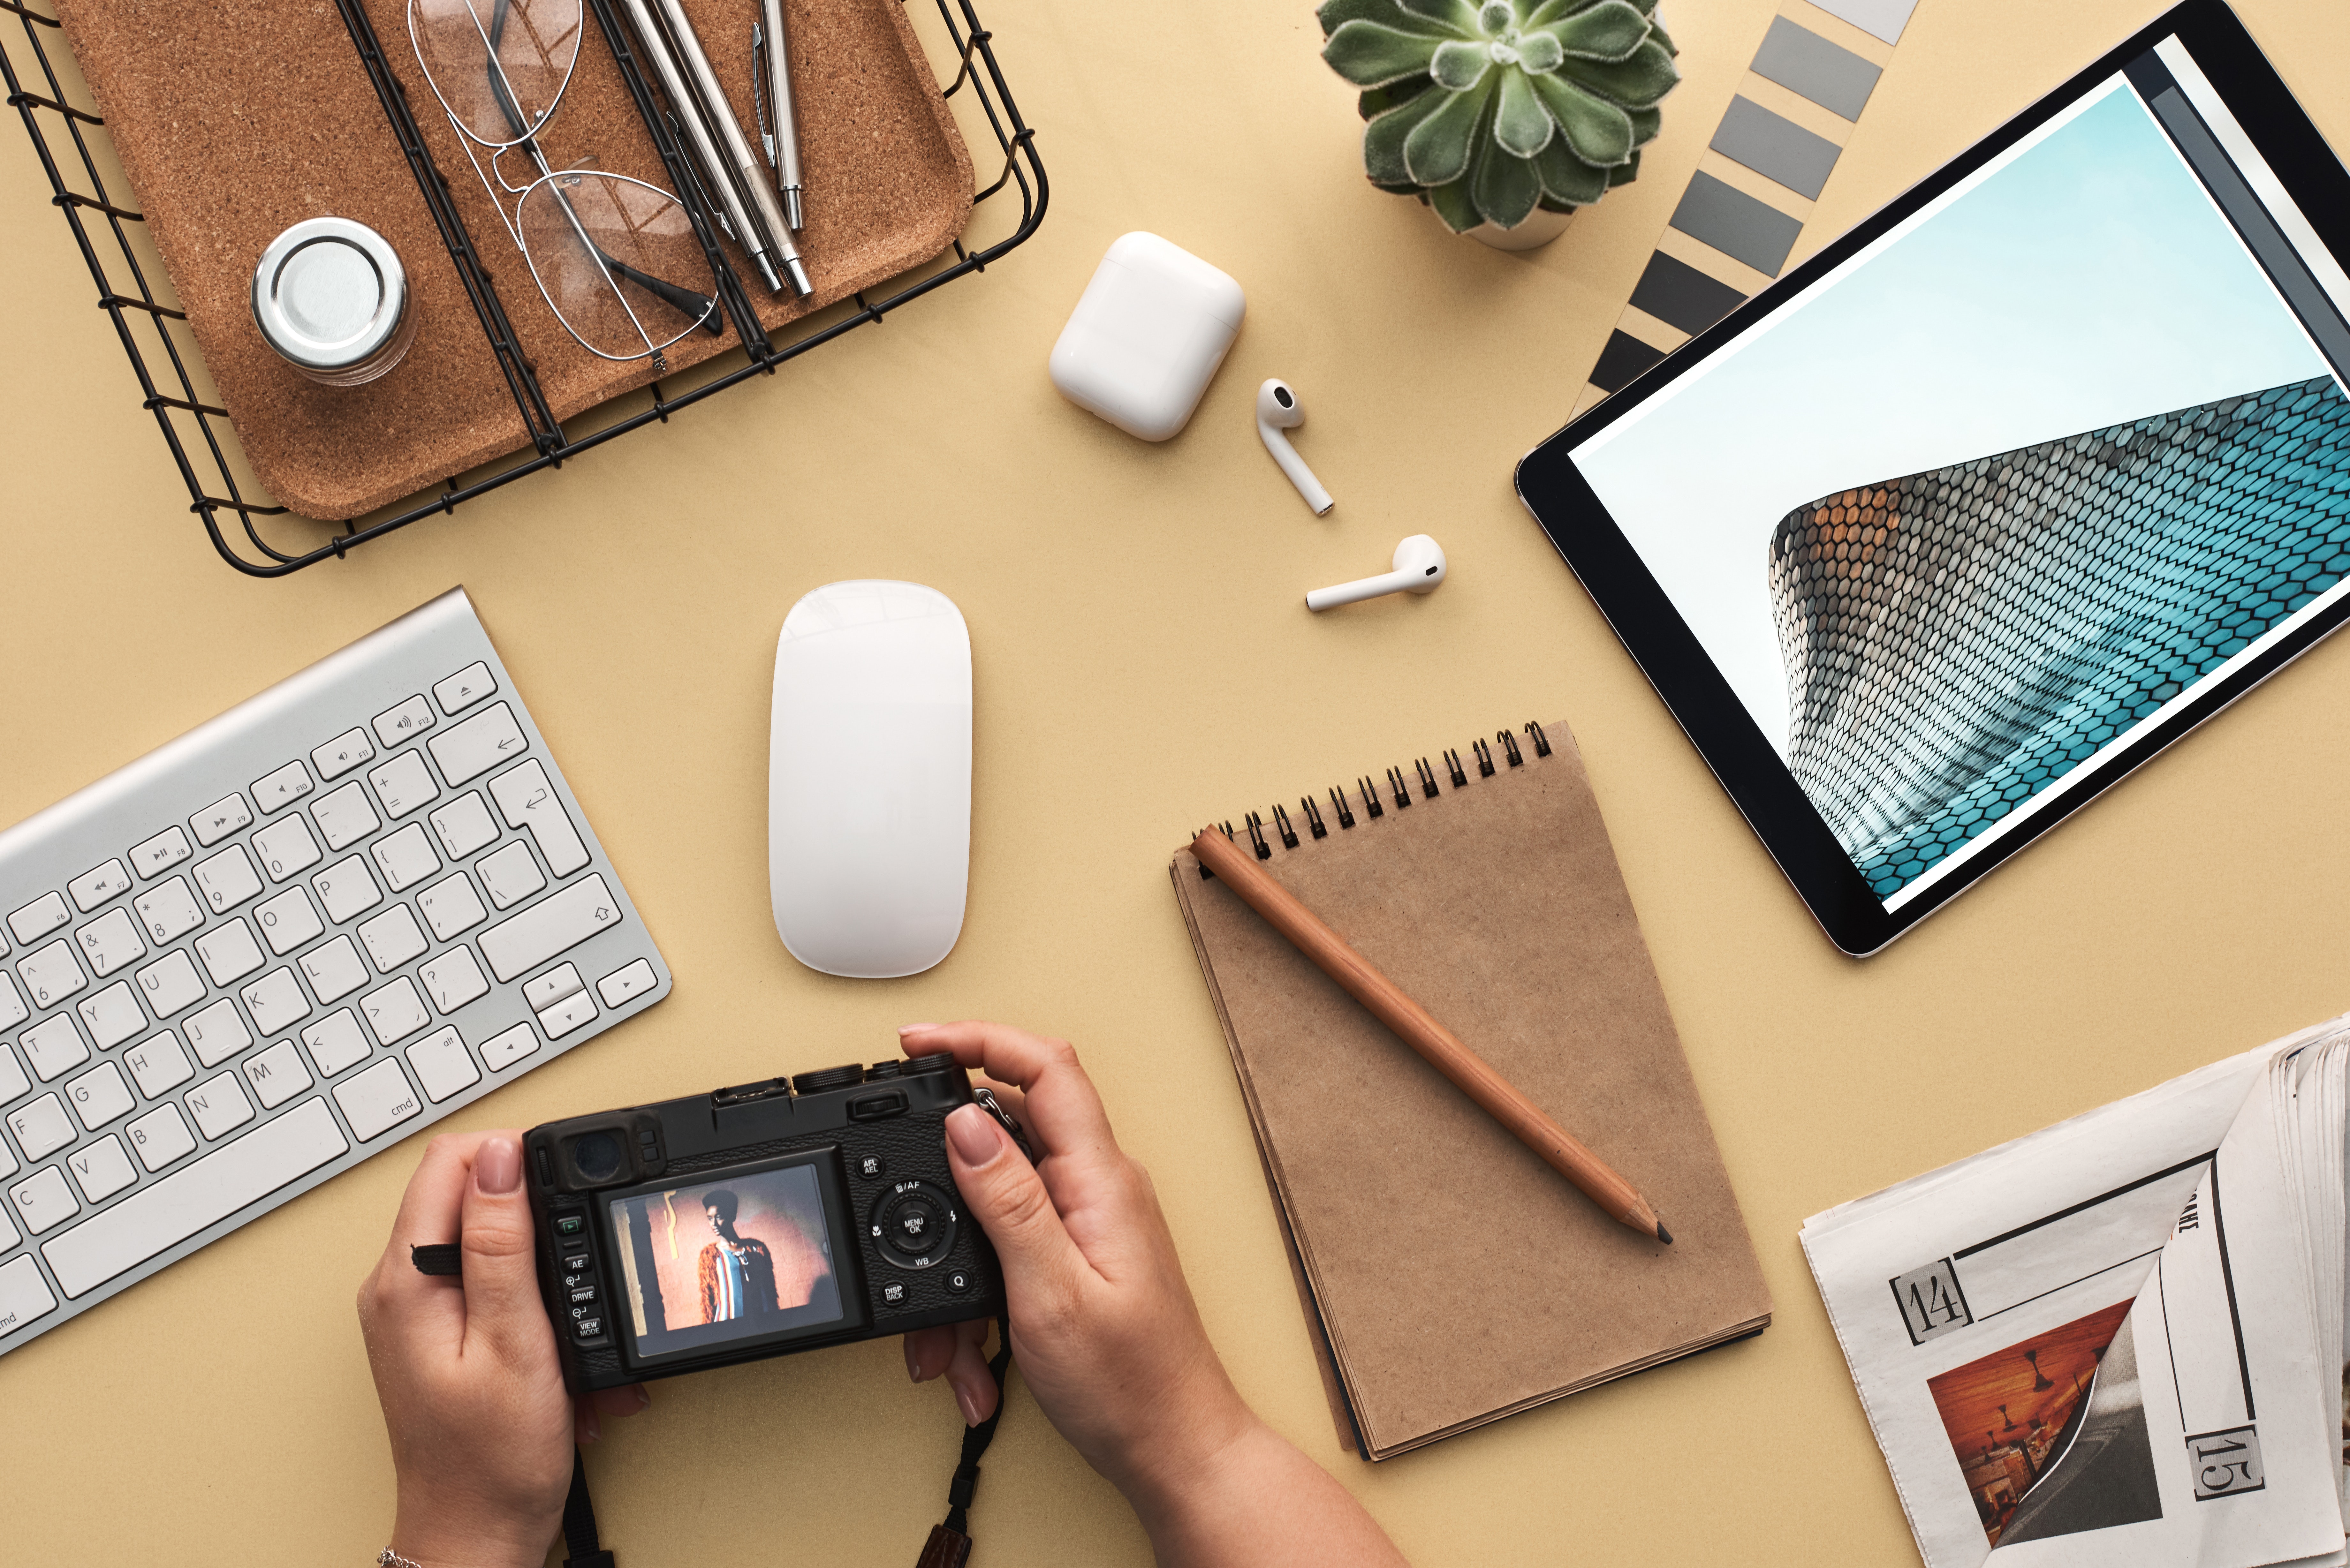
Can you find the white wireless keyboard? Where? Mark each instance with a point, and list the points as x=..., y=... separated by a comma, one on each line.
x=282, y=943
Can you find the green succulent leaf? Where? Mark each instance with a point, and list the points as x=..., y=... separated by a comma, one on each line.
x=1496, y=17
x=1624, y=173
x=1658, y=34
x=1459, y=66
x=1521, y=124
x=1377, y=101
x=1504, y=188
x=1599, y=132
x=1383, y=139
x=1646, y=123
x=1335, y=14
x=1459, y=17
x=1454, y=205
x=1609, y=31
x=1437, y=150
x=1566, y=178
x=1549, y=11
x=1371, y=54
x=1636, y=82
x=1539, y=52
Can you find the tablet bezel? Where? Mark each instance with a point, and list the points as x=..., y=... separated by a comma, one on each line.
x=1716, y=721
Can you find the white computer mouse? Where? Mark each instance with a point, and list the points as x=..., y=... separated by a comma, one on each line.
x=868, y=779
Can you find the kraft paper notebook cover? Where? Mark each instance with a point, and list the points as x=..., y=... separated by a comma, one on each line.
x=1449, y=1276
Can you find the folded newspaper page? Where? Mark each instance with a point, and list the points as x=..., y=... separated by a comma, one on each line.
x=2100, y=1345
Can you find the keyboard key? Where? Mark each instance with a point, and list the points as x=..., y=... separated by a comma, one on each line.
x=464, y=825
x=219, y=1104
x=217, y=1034
x=503, y=1051
x=99, y=1095
x=404, y=783
x=527, y=800
x=341, y=754
x=405, y=723
x=277, y=1075
x=52, y=974
x=198, y=1195
x=102, y=1169
x=469, y=749
x=405, y=857
x=395, y=1011
x=54, y=1047
x=510, y=875
x=227, y=879
x=568, y=1016
x=335, y=970
x=7, y=1168
x=12, y=1010
x=42, y=1201
x=158, y=1066
x=552, y=987
x=153, y=857
x=110, y=941
x=275, y=1002
x=42, y=1127
x=391, y=938
x=23, y=1294
x=344, y=816
x=113, y=1015
x=9, y=1237
x=39, y=919
x=465, y=688
x=377, y=1100
x=346, y=889
x=170, y=983
x=450, y=906
x=625, y=984
x=335, y=1042
x=289, y=921
x=12, y=1081
x=286, y=846
x=282, y=788
x=443, y=1065
x=161, y=1137
x=218, y=820
x=454, y=979
x=171, y=911
x=95, y=886
x=521, y=944
x=229, y=953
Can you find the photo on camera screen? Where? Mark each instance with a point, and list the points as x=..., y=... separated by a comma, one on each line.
x=735, y=1259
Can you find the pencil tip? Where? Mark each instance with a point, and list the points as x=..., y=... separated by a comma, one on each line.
x=1664, y=1235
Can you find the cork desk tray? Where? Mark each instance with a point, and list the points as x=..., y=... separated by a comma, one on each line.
x=236, y=119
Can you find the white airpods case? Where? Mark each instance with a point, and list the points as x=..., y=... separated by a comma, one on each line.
x=1146, y=335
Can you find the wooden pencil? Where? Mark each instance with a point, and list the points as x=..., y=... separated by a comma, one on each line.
x=1418, y=1028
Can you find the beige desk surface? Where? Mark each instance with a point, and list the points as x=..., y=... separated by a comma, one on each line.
x=1143, y=663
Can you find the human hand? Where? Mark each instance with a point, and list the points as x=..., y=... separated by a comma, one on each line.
x=480, y=1428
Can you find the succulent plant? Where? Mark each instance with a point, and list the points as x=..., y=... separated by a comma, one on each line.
x=1487, y=109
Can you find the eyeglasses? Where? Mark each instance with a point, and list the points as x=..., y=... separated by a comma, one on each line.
x=605, y=249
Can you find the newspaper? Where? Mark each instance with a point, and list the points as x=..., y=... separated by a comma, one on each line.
x=2100, y=1345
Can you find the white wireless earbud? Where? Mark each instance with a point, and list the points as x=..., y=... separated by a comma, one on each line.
x=1277, y=410
x=1418, y=567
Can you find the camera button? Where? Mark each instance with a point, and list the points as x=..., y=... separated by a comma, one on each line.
x=582, y=1295
x=871, y=1166
x=588, y=1328
x=957, y=1280
x=576, y=1264
x=875, y=1107
x=571, y=1225
x=894, y=1294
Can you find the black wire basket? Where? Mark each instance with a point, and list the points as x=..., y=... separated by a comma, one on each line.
x=203, y=444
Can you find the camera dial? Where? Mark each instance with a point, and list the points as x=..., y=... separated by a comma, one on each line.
x=914, y=1225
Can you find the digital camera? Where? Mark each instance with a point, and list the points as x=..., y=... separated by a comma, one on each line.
x=756, y=1221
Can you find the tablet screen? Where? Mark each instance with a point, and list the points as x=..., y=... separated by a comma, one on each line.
x=1983, y=506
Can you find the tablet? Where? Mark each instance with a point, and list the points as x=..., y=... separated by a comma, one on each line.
x=1952, y=526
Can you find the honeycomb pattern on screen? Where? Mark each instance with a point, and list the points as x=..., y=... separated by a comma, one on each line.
x=1955, y=640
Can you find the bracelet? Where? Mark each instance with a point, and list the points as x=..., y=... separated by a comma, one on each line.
x=388, y=1558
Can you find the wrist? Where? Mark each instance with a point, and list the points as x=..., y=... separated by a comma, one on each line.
x=446, y=1538
x=1189, y=1462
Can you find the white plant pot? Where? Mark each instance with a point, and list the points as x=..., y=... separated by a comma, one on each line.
x=1540, y=228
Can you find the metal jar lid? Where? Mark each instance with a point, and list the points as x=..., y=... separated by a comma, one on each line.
x=330, y=296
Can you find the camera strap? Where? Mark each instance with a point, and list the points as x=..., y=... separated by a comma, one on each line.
x=949, y=1545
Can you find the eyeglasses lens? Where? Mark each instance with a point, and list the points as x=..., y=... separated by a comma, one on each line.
x=618, y=259
x=500, y=65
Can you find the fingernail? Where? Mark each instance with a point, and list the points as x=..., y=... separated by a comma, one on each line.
x=970, y=1407
x=974, y=1137
x=906, y=1029
x=593, y=1427
x=913, y=1365
x=498, y=1166
x=644, y=1396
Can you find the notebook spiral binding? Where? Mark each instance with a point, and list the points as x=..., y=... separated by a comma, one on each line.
x=1368, y=790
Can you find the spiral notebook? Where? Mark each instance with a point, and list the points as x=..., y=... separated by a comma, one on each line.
x=1448, y=1276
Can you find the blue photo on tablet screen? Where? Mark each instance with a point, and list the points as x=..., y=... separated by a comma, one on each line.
x=1986, y=502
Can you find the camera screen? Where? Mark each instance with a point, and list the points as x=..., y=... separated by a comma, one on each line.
x=730, y=1260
